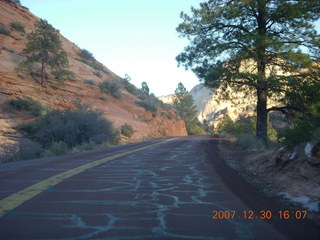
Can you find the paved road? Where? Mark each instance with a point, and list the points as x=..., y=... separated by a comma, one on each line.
x=153, y=190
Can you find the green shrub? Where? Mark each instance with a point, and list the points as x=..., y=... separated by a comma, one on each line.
x=127, y=130
x=244, y=125
x=63, y=74
x=147, y=106
x=98, y=74
x=194, y=129
x=86, y=54
x=130, y=88
x=249, y=142
x=56, y=149
x=72, y=127
x=90, y=82
x=18, y=27
x=302, y=132
x=28, y=105
x=4, y=30
x=111, y=88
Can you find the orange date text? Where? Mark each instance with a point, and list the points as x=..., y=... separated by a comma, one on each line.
x=262, y=214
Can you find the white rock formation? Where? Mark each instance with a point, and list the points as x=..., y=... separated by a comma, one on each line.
x=212, y=109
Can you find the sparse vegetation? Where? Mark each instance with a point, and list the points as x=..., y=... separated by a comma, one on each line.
x=60, y=131
x=4, y=30
x=63, y=74
x=86, y=55
x=130, y=88
x=145, y=88
x=194, y=129
x=88, y=58
x=17, y=26
x=89, y=82
x=111, y=88
x=147, y=106
x=243, y=129
x=98, y=74
x=28, y=105
x=22, y=150
x=15, y=2
x=45, y=47
x=302, y=132
x=127, y=130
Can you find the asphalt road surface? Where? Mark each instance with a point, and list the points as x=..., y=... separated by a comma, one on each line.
x=163, y=189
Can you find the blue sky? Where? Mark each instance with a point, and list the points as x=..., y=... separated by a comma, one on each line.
x=135, y=37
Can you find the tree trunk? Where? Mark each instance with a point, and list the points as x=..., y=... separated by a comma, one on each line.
x=262, y=89
x=262, y=116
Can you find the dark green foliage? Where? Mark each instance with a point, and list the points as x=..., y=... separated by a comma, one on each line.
x=28, y=105
x=184, y=104
x=18, y=27
x=194, y=129
x=15, y=2
x=45, y=47
x=4, y=30
x=243, y=125
x=169, y=115
x=111, y=88
x=236, y=43
x=63, y=74
x=130, y=88
x=127, y=130
x=302, y=132
x=147, y=106
x=90, y=82
x=86, y=54
x=70, y=128
x=145, y=88
x=98, y=74
x=88, y=58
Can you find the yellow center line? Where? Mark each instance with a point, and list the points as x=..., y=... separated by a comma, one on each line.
x=16, y=199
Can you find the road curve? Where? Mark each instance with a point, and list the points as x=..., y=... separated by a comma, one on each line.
x=161, y=189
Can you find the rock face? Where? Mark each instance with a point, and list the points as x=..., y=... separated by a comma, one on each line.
x=212, y=109
x=16, y=83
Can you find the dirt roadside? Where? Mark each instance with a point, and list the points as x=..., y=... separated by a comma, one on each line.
x=290, y=186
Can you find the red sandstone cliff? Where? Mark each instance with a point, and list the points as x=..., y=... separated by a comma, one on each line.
x=15, y=83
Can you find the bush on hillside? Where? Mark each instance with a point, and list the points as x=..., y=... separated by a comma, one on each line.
x=90, y=82
x=302, y=132
x=70, y=128
x=63, y=74
x=243, y=125
x=194, y=129
x=111, y=88
x=130, y=88
x=147, y=106
x=127, y=130
x=84, y=53
x=18, y=27
x=4, y=30
x=28, y=105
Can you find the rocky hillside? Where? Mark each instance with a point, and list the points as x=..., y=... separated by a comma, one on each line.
x=83, y=87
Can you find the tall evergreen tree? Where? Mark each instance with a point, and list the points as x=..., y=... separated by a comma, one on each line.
x=145, y=88
x=266, y=47
x=184, y=103
x=45, y=47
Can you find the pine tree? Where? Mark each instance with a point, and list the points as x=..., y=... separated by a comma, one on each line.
x=184, y=104
x=45, y=47
x=257, y=46
x=145, y=88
